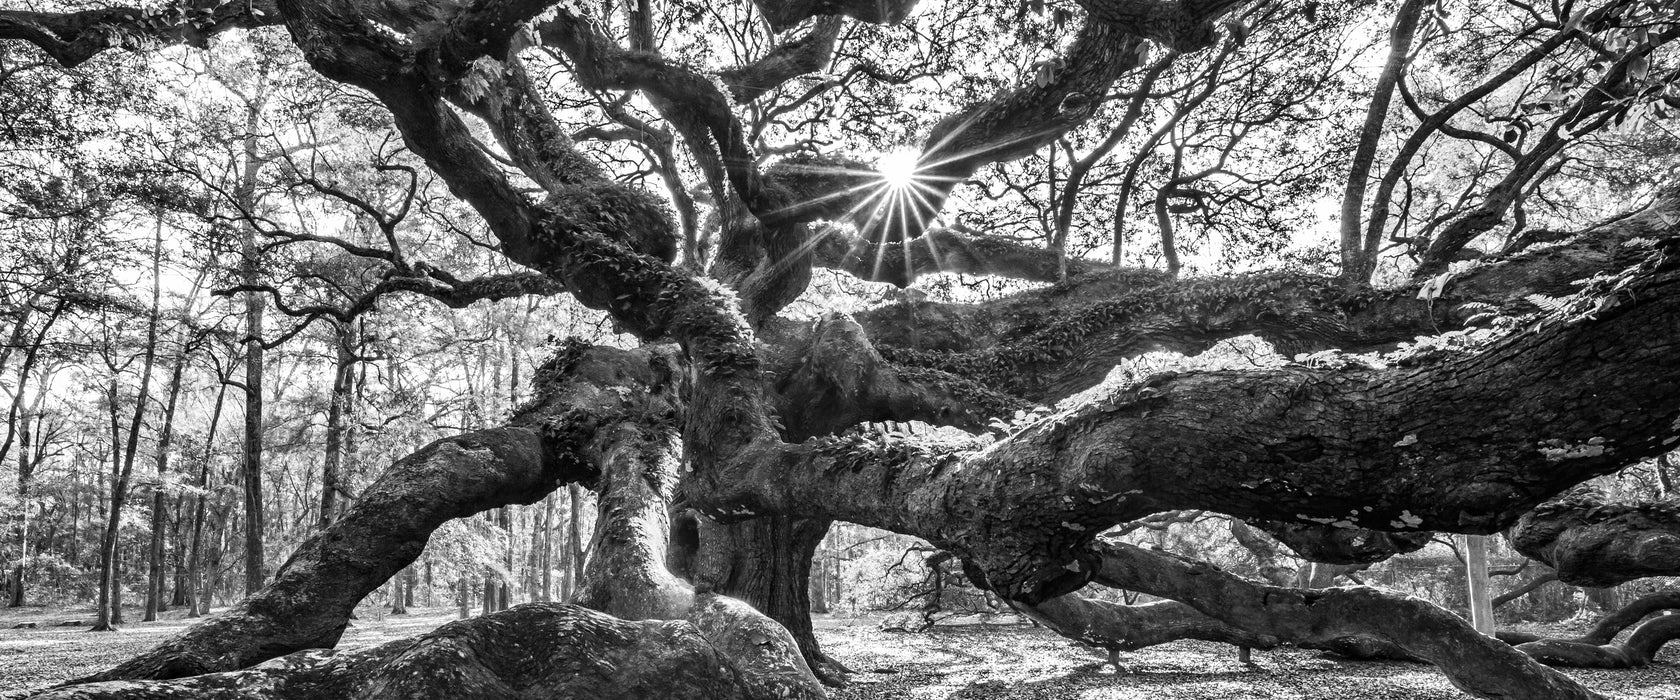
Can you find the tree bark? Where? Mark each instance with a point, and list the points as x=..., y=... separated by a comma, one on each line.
x=766, y=563
x=1594, y=542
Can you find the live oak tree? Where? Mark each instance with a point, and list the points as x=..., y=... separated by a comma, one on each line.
x=723, y=446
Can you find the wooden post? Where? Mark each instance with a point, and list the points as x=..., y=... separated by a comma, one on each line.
x=1481, y=603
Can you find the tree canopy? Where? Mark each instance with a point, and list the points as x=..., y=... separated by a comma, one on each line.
x=908, y=265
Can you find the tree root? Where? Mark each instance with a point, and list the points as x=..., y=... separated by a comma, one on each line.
x=537, y=650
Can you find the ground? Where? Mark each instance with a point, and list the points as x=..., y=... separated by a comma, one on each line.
x=999, y=659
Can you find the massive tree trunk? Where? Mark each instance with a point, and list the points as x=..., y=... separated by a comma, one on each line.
x=766, y=563
x=638, y=460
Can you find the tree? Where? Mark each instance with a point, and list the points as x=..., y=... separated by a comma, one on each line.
x=746, y=419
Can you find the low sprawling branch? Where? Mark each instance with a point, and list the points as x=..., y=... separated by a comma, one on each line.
x=1337, y=618
x=1595, y=542
x=1117, y=627
x=1354, y=447
x=310, y=599
x=901, y=263
x=1049, y=343
x=1595, y=649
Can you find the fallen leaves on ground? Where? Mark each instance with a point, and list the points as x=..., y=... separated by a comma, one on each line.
x=1001, y=661
x=1014, y=661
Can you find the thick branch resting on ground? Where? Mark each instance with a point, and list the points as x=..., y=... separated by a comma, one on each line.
x=1597, y=543
x=1476, y=664
x=1117, y=627
x=537, y=650
x=1637, y=650
x=309, y=601
x=1612, y=624
x=1124, y=628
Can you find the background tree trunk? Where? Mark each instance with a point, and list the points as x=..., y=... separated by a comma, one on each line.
x=1358, y=261
x=110, y=587
x=198, y=593
x=160, y=497
x=255, y=303
x=1476, y=583
x=339, y=412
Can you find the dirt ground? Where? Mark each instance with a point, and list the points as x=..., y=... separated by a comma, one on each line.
x=972, y=659
x=1014, y=662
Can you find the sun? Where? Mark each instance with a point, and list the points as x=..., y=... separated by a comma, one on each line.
x=898, y=168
